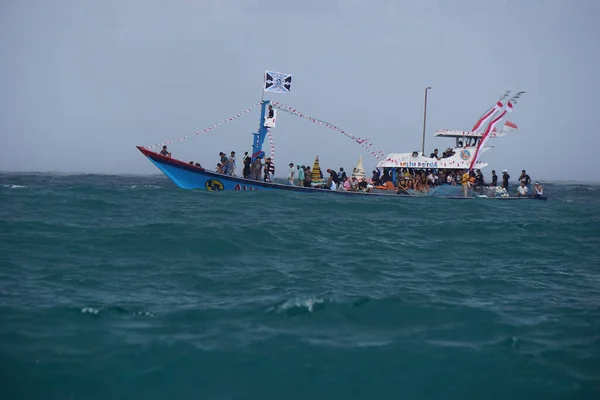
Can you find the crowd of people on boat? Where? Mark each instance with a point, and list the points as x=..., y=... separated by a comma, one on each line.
x=401, y=180
x=421, y=181
x=407, y=180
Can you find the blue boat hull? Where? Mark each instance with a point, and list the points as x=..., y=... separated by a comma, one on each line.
x=188, y=176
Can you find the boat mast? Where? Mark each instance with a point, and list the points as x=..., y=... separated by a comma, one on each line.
x=259, y=137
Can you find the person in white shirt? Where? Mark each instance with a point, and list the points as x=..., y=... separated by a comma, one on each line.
x=522, y=190
x=291, y=174
x=430, y=177
x=538, y=190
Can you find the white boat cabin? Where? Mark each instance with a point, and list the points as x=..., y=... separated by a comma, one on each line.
x=460, y=158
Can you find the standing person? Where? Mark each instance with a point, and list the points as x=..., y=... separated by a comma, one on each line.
x=269, y=170
x=247, y=165
x=307, y=177
x=505, y=178
x=479, y=182
x=224, y=163
x=256, y=169
x=494, y=179
x=232, y=164
x=465, y=182
x=342, y=175
x=300, y=175
x=291, y=174
x=524, y=177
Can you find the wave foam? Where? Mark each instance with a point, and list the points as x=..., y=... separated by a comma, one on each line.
x=15, y=186
x=297, y=306
x=115, y=310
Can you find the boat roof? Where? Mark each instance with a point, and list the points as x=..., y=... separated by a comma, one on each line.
x=466, y=134
x=457, y=134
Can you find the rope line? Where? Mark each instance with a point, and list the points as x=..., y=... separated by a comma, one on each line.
x=366, y=143
x=210, y=128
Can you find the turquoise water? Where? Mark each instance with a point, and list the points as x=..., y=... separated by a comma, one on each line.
x=127, y=287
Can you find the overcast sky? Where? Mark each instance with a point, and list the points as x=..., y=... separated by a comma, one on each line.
x=85, y=81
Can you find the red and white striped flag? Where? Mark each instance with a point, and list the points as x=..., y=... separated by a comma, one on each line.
x=486, y=117
x=486, y=134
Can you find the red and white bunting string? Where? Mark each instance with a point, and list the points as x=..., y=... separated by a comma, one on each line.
x=271, y=145
x=210, y=128
x=365, y=143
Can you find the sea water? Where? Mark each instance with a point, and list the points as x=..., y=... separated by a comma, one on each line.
x=117, y=287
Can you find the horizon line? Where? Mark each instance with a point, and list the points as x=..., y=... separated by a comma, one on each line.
x=557, y=181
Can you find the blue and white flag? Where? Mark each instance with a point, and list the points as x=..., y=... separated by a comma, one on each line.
x=277, y=82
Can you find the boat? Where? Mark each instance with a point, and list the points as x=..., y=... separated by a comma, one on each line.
x=191, y=176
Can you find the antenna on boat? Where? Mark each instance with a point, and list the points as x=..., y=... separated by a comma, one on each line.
x=424, y=120
x=262, y=89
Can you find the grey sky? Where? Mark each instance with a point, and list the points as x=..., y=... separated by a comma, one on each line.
x=83, y=82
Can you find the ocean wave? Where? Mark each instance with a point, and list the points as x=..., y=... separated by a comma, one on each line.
x=297, y=306
x=103, y=280
x=15, y=186
x=115, y=310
